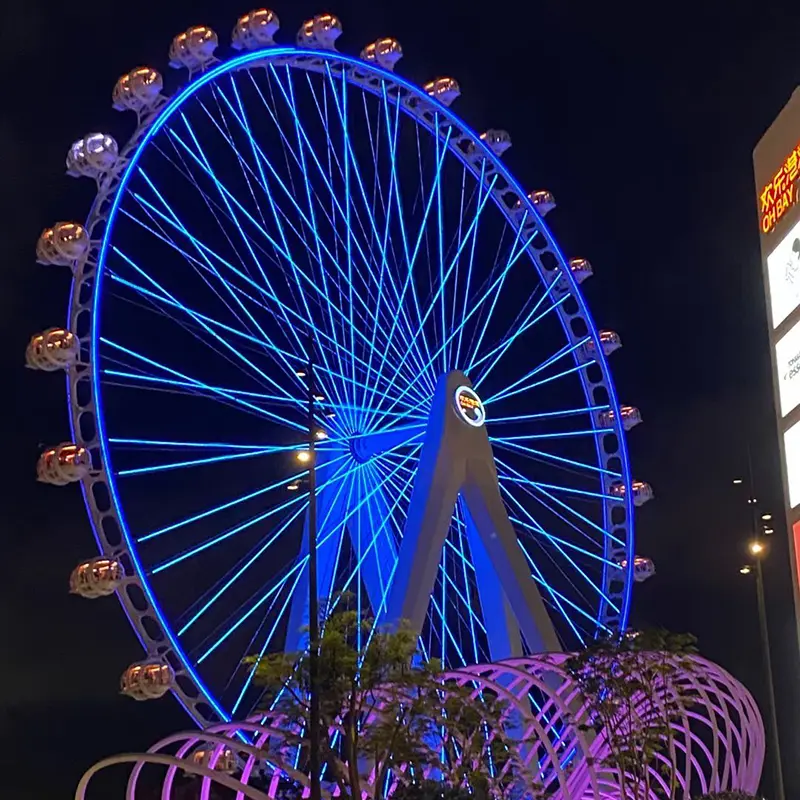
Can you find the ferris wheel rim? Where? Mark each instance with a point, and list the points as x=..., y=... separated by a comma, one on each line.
x=116, y=194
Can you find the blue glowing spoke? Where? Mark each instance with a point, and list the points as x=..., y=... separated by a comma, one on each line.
x=351, y=159
x=376, y=236
x=296, y=570
x=197, y=462
x=512, y=259
x=201, y=385
x=301, y=361
x=503, y=395
x=591, y=523
x=514, y=388
x=409, y=283
x=555, y=435
x=263, y=182
x=500, y=350
x=318, y=242
x=241, y=570
x=476, y=307
x=559, y=598
x=303, y=136
x=441, y=288
x=551, y=456
x=238, y=572
x=201, y=251
x=267, y=398
x=565, y=489
x=225, y=535
x=231, y=503
x=165, y=295
x=206, y=321
x=568, y=412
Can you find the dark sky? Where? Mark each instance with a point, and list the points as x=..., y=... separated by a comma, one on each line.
x=641, y=122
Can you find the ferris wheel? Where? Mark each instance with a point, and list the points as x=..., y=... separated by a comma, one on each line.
x=293, y=210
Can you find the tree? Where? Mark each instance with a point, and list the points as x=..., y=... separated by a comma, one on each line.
x=391, y=717
x=633, y=701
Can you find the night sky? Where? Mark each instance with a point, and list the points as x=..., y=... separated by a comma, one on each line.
x=641, y=124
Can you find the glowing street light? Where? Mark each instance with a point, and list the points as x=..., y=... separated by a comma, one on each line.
x=737, y=481
x=756, y=548
x=321, y=435
x=768, y=531
x=746, y=569
x=766, y=517
x=303, y=456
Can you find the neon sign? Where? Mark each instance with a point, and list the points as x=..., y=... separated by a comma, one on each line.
x=780, y=194
x=469, y=406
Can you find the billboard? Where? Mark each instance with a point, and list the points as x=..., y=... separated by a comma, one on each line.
x=787, y=362
x=791, y=449
x=783, y=271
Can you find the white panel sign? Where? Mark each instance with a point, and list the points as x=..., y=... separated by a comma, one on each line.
x=787, y=359
x=783, y=267
x=791, y=444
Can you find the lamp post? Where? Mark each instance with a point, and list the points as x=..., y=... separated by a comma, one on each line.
x=757, y=550
x=313, y=600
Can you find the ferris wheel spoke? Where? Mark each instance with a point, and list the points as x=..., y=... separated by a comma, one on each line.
x=209, y=264
x=408, y=282
x=501, y=349
x=317, y=238
x=202, y=385
x=504, y=394
x=374, y=235
x=323, y=336
x=476, y=307
x=215, y=592
x=239, y=569
x=208, y=325
x=442, y=284
x=539, y=454
x=260, y=159
x=201, y=515
x=292, y=578
x=199, y=266
x=225, y=535
x=349, y=159
x=601, y=531
x=395, y=195
x=135, y=377
x=201, y=461
x=567, y=412
x=561, y=545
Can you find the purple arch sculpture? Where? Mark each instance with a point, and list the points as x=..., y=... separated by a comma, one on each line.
x=718, y=742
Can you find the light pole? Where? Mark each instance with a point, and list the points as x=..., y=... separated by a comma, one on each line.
x=313, y=600
x=757, y=550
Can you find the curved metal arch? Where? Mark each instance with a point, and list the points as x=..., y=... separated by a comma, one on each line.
x=86, y=420
x=733, y=763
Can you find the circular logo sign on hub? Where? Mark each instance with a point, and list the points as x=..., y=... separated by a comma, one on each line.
x=469, y=406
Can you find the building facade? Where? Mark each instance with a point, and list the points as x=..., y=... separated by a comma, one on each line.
x=776, y=161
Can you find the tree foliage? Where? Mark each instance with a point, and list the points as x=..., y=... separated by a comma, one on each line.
x=389, y=719
x=633, y=701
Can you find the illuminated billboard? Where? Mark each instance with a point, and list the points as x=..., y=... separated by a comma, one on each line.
x=791, y=445
x=783, y=267
x=787, y=361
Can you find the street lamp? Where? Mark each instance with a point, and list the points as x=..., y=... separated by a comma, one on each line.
x=307, y=456
x=755, y=547
x=758, y=550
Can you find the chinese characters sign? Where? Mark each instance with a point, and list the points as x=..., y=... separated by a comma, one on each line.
x=780, y=194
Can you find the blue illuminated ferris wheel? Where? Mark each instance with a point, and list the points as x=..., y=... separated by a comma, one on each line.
x=290, y=205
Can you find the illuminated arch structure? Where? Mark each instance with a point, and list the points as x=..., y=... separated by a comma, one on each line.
x=718, y=743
